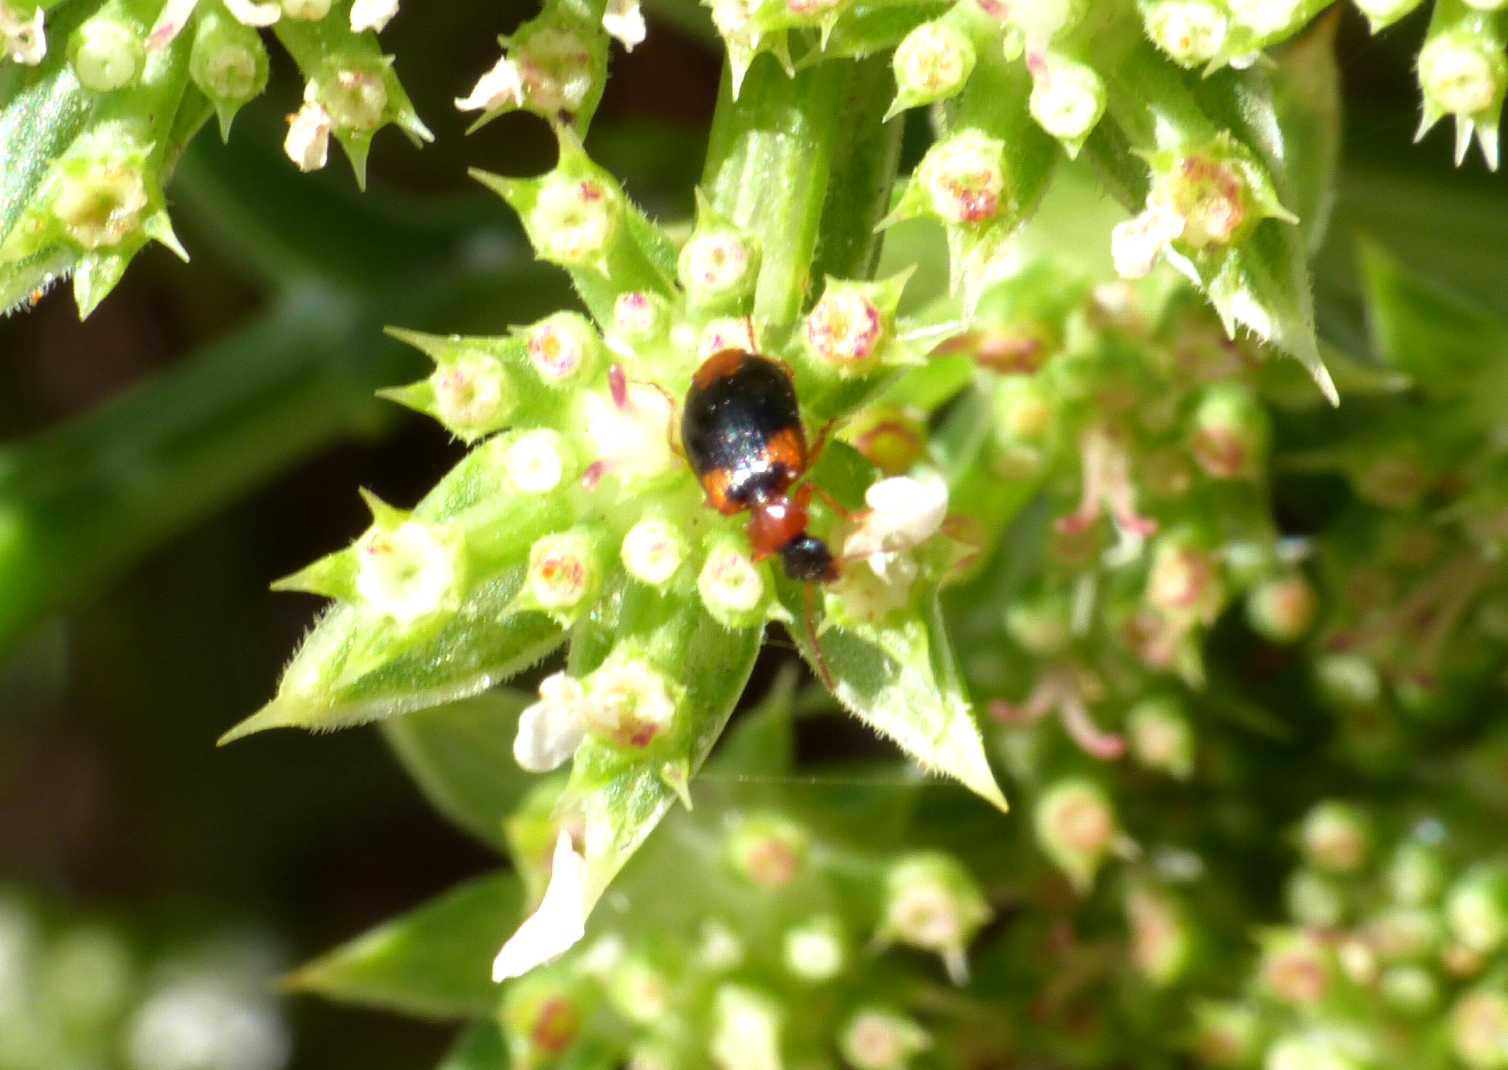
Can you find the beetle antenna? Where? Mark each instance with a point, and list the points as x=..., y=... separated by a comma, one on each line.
x=818, y=658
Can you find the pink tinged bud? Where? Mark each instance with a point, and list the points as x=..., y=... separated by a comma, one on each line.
x=1184, y=582
x=933, y=903
x=931, y=63
x=1192, y=32
x=307, y=10
x=355, y=99
x=373, y=15
x=1161, y=945
x=23, y=39
x=308, y=140
x=731, y=586
x=549, y=70
x=1162, y=739
x=845, y=330
x=1296, y=969
x=102, y=205
x=563, y=571
x=653, y=551
x=410, y=571
x=1479, y=1029
x=1230, y=433
x=717, y=264
x=1336, y=837
x=106, y=54
x=1282, y=609
x=1210, y=196
x=727, y=333
x=1076, y=826
x=638, y=318
x=768, y=850
x=473, y=394
x=891, y=439
x=576, y=220
x=1107, y=484
x=564, y=348
x=628, y=703
x=1226, y=1035
x=879, y=1039
x=964, y=178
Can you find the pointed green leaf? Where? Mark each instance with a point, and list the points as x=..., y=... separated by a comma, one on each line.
x=762, y=742
x=901, y=679
x=461, y=756
x=430, y=963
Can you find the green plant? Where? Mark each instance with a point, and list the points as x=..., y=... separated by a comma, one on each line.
x=1074, y=474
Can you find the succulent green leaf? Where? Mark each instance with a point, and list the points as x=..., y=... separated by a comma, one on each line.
x=431, y=962
x=461, y=757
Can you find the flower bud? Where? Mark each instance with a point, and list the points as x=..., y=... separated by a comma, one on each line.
x=308, y=140
x=373, y=15
x=1477, y=908
x=814, y=950
x=1067, y=99
x=639, y=990
x=534, y=461
x=1226, y=1034
x=575, y=220
x=629, y=702
x=563, y=572
x=1383, y=13
x=106, y=53
x=718, y=947
x=1412, y=990
x=718, y=265
x=933, y=903
x=1348, y=681
x=409, y=570
x=1315, y=900
x=23, y=40
x=1161, y=737
x=1479, y=1029
x=639, y=318
x=629, y=429
x=889, y=438
x=732, y=586
x=1336, y=837
x=845, y=330
x=1296, y=968
x=550, y=730
x=564, y=348
x=473, y=394
x=543, y=1015
x=1162, y=943
x=103, y=204
x=1076, y=825
x=746, y=1026
x=1230, y=432
x=1210, y=196
x=931, y=63
x=1269, y=19
x=1283, y=608
x=653, y=551
x=1417, y=873
x=1191, y=32
x=767, y=849
x=1184, y=581
x=356, y=100
x=877, y=1039
x=228, y=62
x=726, y=332
x=1400, y=934
x=1463, y=74
x=963, y=178
x=1322, y=1049
x=307, y=10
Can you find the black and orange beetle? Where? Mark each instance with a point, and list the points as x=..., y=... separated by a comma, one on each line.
x=741, y=431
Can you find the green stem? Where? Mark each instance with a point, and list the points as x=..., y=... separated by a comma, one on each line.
x=771, y=165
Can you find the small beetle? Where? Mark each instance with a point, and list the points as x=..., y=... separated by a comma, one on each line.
x=741, y=430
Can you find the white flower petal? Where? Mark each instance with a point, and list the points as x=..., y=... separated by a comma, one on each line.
x=501, y=87
x=624, y=20
x=910, y=509
x=372, y=14
x=248, y=13
x=1136, y=243
x=175, y=15
x=557, y=925
x=308, y=141
x=548, y=734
